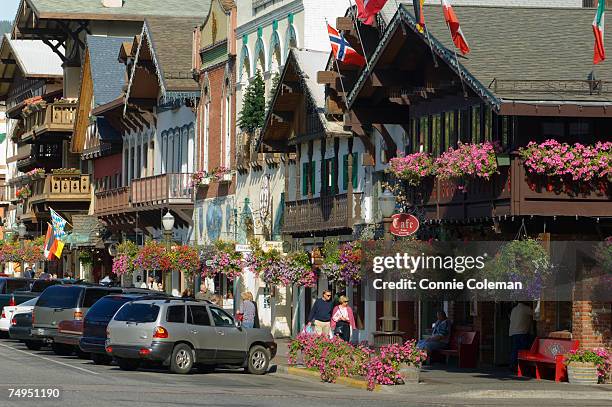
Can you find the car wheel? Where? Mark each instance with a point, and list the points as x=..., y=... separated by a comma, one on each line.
x=99, y=359
x=182, y=359
x=259, y=360
x=128, y=364
x=33, y=345
x=62, y=350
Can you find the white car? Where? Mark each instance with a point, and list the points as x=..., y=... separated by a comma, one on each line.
x=9, y=311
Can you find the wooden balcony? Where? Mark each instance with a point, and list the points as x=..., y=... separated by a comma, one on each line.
x=318, y=214
x=165, y=189
x=61, y=188
x=112, y=202
x=43, y=117
x=512, y=192
x=32, y=156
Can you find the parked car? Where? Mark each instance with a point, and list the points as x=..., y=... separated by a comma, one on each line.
x=64, y=302
x=21, y=327
x=9, y=311
x=14, y=291
x=185, y=333
x=97, y=318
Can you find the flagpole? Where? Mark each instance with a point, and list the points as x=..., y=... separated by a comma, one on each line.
x=340, y=75
x=354, y=17
x=455, y=52
x=433, y=54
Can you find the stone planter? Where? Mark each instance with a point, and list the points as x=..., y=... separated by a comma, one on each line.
x=582, y=373
x=410, y=373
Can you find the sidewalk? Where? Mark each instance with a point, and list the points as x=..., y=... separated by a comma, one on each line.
x=452, y=383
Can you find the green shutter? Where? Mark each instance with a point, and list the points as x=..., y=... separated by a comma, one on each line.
x=345, y=172
x=355, y=169
x=313, y=168
x=305, y=179
x=334, y=182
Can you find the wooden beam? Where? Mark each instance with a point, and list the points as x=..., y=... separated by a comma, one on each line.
x=344, y=24
x=327, y=77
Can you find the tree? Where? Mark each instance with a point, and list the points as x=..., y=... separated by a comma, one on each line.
x=253, y=112
x=5, y=27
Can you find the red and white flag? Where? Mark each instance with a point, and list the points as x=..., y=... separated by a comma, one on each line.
x=367, y=10
x=342, y=50
x=455, y=28
x=598, y=29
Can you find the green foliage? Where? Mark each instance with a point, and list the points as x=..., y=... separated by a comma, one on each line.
x=127, y=248
x=275, y=82
x=253, y=112
x=85, y=258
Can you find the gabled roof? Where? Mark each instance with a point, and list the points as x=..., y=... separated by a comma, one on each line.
x=33, y=58
x=307, y=63
x=132, y=9
x=521, y=54
x=108, y=74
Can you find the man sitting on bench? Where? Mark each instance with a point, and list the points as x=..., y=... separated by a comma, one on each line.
x=439, y=336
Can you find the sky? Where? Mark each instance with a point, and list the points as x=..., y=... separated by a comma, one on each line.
x=8, y=9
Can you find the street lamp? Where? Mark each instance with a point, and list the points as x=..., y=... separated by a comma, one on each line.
x=22, y=230
x=387, y=207
x=168, y=225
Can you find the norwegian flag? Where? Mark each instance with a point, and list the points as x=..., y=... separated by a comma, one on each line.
x=342, y=50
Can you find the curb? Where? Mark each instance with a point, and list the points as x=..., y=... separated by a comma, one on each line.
x=311, y=374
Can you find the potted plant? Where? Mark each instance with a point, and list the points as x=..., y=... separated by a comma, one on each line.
x=587, y=366
x=201, y=179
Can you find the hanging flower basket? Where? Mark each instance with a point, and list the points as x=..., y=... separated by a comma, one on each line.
x=412, y=168
x=153, y=257
x=23, y=193
x=222, y=258
x=467, y=160
x=342, y=262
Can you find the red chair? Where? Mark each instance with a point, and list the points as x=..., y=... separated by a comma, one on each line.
x=546, y=353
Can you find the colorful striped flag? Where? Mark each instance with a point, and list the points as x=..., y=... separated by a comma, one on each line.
x=455, y=28
x=50, y=245
x=599, y=54
x=342, y=49
x=418, y=14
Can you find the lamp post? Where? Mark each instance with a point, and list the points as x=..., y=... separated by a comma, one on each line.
x=168, y=225
x=387, y=203
x=22, y=230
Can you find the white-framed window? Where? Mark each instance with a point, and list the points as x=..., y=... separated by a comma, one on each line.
x=206, y=137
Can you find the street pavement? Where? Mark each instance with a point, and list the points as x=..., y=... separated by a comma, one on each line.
x=84, y=384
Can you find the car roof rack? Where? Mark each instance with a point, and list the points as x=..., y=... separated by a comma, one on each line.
x=186, y=299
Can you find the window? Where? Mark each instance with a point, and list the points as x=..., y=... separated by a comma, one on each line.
x=308, y=177
x=553, y=129
x=424, y=133
x=93, y=295
x=488, y=125
x=228, y=126
x=106, y=308
x=198, y=315
x=475, y=136
x=505, y=131
x=176, y=313
x=436, y=134
x=60, y=297
x=134, y=312
x=414, y=141
x=206, y=125
x=221, y=318
x=329, y=176
x=16, y=285
x=450, y=131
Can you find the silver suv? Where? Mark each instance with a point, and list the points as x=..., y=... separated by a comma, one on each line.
x=182, y=334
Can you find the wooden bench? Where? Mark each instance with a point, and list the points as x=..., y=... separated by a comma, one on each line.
x=464, y=346
x=546, y=353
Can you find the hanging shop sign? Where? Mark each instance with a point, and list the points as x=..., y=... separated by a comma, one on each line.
x=404, y=224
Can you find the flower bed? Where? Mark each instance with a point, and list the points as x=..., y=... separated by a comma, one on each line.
x=333, y=358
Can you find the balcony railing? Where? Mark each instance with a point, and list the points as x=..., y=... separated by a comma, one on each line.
x=163, y=189
x=42, y=117
x=112, y=201
x=60, y=188
x=325, y=213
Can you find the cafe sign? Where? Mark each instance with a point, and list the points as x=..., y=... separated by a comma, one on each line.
x=404, y=224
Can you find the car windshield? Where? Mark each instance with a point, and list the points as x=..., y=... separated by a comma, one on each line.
x=137, y=313
x=106, y=307
x=60, y=296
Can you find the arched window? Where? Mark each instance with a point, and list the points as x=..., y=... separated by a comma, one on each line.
x=245, y=64
x=290, y=39
x=260, y=56
x=275, y=58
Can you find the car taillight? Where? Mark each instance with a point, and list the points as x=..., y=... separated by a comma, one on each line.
x=144, y=352
x=3, y=314
x=13, y=322
x=78, y=315
x=12, y=301
x=160, y=332
x=109, y=349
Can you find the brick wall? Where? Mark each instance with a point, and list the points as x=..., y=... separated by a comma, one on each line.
x=216, y=78
x=591, y=324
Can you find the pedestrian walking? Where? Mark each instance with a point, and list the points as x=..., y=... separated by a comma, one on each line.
x=520, y=325
x=343, y=320
x=248, y=310
x=321, y=313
